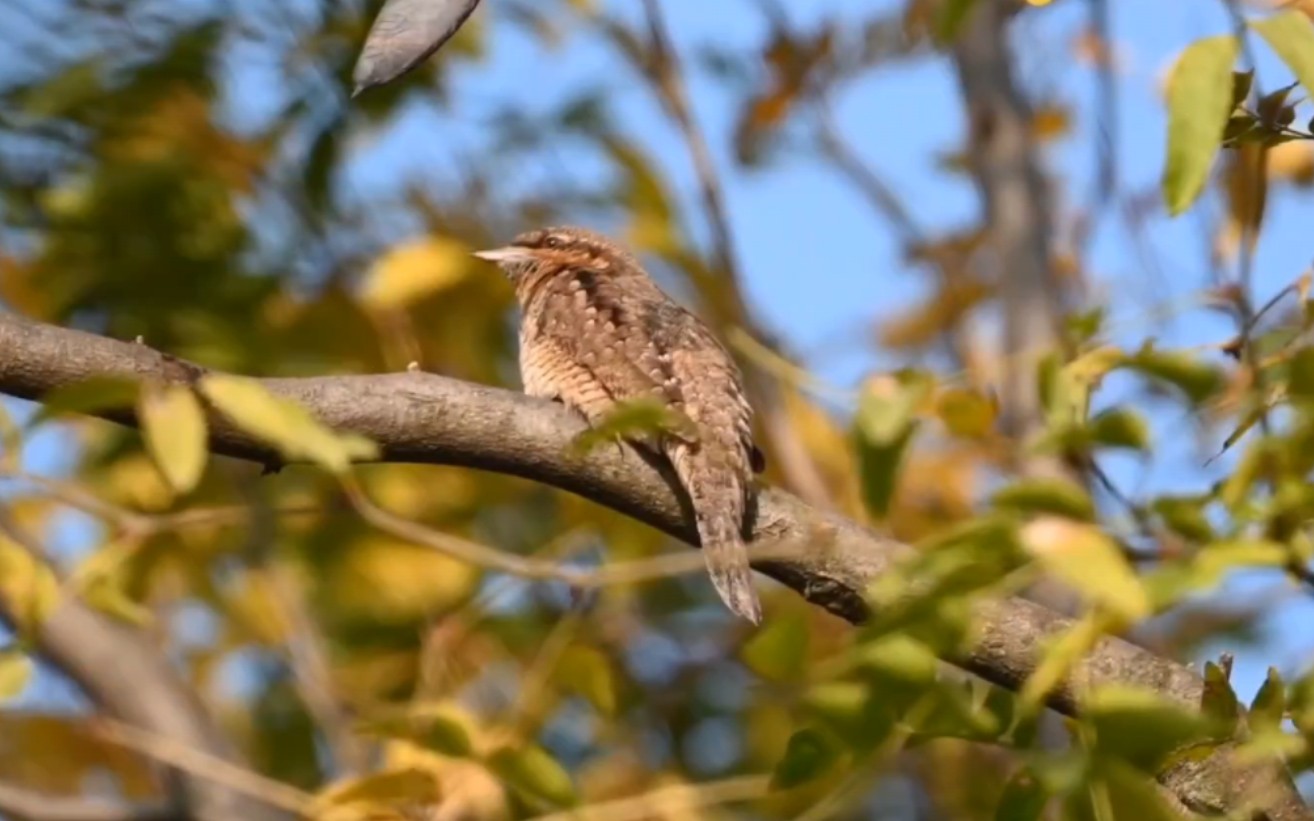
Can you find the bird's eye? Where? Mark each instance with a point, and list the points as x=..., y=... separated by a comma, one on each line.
x=552, y=242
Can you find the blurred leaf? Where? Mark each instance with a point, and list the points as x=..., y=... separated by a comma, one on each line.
x=637, y=419
x=1184, y=516
x=901, y=658
x=1061, y=653
x=587, y=671
x=441, y=729
x=15, y=672
x=1082, y=556
x=89, y=396
x=1270, y=704
x=1291, y=35
x=1024, y=798
x=1062, y=497
x=1140, y=725
x=886, y=421
x=173, y=425
x=810, y=754
x=284, y=424
x=532, y=770
x=1120, y=428
x=1195, y=378
x=778, y=652
x=1199, y=102
x=416, y=270
x=402, y=786
x=28, y=585
x=966, y=413
x=1218, y=702
x=1132, y=794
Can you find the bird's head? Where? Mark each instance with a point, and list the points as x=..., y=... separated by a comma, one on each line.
x=564, y=248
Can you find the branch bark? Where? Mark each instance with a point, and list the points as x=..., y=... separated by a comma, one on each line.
x=829, y=560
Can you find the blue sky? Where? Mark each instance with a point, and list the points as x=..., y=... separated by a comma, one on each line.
x=820, y=268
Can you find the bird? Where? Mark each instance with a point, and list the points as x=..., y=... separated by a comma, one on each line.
x=596, y=332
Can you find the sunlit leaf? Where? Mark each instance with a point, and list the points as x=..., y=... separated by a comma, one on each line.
x=1061, y=654
x=1083, y=557
x=284, y=424
x=636, y=419
x=810, y=754
x=1120, y=428
x=886, y=420
x=966, y=413
x=1199, y=102
x=415, y=270
x=173, y=425
x=1291, y=35
x=402, y=786
x=899, y=657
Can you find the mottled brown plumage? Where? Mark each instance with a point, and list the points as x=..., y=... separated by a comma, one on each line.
x=596, y=331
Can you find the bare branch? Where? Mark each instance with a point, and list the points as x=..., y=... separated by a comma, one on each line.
x=829, y=560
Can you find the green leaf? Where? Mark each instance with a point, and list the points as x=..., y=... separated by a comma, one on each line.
x=1046, y=495
x=1141, y=726
x=884, y=426
x=532, y=770
x=1024, y=798
x=588, y=672
x=1218, y=702
x=1060, y=654
x=778, y=652
x=899, y=657
x=15, y=673
x=1084, y=557
x=1199, y=103
x=1291, y=35
x=438, y=728
x=810, y=754
x=284, y=424
x=1270, y=703
x=1194, y=377
x=1132, y=794
x=88, y=397
x=1300, y=381
x=1185, y=516
x=636, y=419
x=173, y=425
x=1120, y=428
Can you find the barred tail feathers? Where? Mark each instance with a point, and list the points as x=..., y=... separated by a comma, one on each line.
x=727, y=562
x=717, y=493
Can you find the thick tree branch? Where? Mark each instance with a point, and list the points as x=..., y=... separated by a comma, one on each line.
x=829, y=560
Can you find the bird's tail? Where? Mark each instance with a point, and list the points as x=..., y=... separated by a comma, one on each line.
x=727, y=562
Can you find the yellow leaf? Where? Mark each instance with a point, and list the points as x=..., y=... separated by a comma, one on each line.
x=15, y=673
x=403, y=785
x=174, y=427
x=587, y=671
x=415, y=270
x=284, y=424
x=28, y=586
x=1085, y=558
x=532, y=770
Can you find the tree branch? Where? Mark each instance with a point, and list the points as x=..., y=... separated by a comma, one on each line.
x=829, y=560
x=123, y=673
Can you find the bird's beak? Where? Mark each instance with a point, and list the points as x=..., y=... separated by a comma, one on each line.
x=509, y=253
